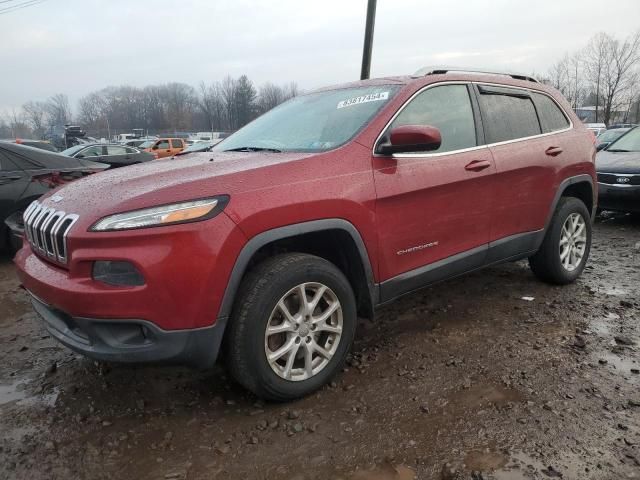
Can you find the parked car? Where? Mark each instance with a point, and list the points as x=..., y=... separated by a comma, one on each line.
x=164, y=147
x=618, y=168
x=608, y=136
x=25, y=174
x=199, y=146
x=112, y=154
x=596, y=128
x=41, y=144
x=135, y=143
x=327, y=206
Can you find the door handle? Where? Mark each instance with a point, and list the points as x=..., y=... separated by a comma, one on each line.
x=553, y=151
x=477, y=165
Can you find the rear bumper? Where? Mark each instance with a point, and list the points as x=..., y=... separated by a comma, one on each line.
x=131, y=341
x=621, y=198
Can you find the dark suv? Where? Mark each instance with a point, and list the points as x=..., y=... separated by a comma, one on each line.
x=270, y=246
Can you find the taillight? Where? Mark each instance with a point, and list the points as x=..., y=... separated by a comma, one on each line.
x=54, y=179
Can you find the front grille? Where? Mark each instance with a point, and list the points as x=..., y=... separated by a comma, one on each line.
x=46, y=230
x=619, y=179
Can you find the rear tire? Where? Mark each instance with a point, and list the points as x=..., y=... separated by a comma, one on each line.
x=566, y=245
x=278, y=345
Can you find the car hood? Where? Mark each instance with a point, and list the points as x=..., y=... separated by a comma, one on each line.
x=198, y=175
x=618, y=162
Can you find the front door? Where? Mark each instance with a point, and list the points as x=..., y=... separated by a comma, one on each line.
x=433, y=209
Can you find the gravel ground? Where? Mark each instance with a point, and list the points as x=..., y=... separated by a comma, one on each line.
x=490, y=376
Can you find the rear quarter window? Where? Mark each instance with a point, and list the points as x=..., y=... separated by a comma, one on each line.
x=507, y=114
x=551, y=116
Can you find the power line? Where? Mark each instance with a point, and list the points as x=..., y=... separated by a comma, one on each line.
x=20, y=6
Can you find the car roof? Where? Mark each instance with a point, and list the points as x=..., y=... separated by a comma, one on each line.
x=436, y=75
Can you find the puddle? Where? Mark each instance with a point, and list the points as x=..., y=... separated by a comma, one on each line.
x=603, y=326
x=386, y=472
x=622, y=365
x=481, y=395
x=616, y=291
x=485, y=461
x=12, y=392
x=524, y=467
x=16, y=392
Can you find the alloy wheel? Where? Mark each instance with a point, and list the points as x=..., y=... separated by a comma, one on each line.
x=573, y=241
x=303, y=331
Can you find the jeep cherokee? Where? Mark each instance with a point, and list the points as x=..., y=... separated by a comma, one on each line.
x=270, y=246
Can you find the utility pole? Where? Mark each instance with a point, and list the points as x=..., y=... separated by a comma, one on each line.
x=368, y=40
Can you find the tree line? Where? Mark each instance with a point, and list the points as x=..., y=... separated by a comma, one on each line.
x=604, y=74
x=173, y=107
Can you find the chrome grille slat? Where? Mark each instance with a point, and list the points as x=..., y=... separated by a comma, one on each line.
x=46, y=230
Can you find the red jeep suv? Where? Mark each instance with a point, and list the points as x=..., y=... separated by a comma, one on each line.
x=270, y=246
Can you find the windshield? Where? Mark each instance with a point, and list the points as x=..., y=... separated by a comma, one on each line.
x=611, y=135
x=314, y=122
x=147, y=144
x=198, y=146
x=69, y=152
x=629, y=142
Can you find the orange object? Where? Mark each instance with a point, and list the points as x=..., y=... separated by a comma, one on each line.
x=166, y=147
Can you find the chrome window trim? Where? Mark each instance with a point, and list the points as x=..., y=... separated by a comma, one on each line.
x=620, y=174
x=470, y=149
x=618, y=185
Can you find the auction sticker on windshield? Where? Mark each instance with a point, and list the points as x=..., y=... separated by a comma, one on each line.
x=372, y=97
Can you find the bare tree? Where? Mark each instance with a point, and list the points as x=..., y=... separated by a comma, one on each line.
x=34, y=114
x=58, y=110
x=610, y=66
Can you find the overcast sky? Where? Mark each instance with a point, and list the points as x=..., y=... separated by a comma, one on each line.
x=77, y=46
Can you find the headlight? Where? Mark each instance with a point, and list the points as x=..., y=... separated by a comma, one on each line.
x=183, y=212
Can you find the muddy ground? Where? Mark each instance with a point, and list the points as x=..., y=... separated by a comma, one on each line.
x=467, y=379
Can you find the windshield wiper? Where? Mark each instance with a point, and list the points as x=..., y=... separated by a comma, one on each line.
x=253, y=149
x=617, y=150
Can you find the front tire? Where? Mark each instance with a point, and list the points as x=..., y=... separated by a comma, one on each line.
x=566, y=245
x=292, y=326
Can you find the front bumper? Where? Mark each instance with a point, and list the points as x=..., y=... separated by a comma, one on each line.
x=131, y=341
x=620, y=198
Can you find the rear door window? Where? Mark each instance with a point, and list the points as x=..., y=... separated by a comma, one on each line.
x=551, y=116
x=94, y=151
x=116, y=150
x=507, y=114
x=448, y=108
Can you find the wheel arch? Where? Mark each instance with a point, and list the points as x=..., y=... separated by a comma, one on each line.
x=318, y=237
x=580, y=187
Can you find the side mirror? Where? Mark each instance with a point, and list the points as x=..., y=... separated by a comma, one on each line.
x=602, y=146
x=80, y=155
x=155, y=147
x=411, y=138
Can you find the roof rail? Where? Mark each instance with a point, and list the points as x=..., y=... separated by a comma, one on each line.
x=440, y=70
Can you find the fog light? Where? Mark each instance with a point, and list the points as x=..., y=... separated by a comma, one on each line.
x=117, y=273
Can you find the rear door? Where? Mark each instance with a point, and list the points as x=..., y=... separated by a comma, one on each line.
x=117, y=155
x=433, y=209
x=177, y=145
x=526, y=158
